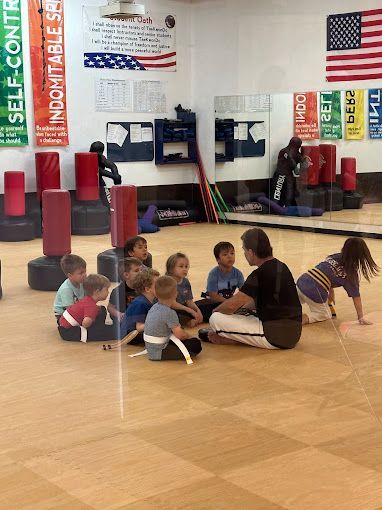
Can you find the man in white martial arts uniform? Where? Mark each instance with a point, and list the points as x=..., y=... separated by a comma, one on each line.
x=272, y=319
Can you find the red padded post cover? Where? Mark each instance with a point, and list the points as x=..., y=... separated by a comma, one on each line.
x=47, y=172
x=124, y=214
x=311, y=176
x=56, y=222
x=348, y=174
x=87, y=186
x=328, y=163
x=14, y=193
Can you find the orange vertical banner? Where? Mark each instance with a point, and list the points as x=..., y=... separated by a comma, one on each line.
x=47, y=50
x=306, y=115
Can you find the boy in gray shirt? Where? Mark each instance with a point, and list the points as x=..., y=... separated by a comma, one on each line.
x=162, y=322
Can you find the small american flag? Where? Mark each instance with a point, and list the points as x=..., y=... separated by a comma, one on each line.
x=354, y=46
x=129, y=62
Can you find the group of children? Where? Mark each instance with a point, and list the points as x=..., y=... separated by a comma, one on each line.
x=156, y=308
x=141, y=287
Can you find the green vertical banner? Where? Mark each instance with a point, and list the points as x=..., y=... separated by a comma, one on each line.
x=13, y=127
x=330, y=115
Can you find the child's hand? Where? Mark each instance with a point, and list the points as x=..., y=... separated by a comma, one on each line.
x=120, y=316
x=364, y=322
x=87, y=322
x=198, y=317
x=179, y=333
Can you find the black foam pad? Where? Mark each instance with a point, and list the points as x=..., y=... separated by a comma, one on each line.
x=45, y=273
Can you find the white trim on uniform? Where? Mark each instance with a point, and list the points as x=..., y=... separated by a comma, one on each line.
x=244, y=329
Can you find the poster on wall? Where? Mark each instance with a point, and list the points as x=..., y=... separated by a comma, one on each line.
x=13, y=128
x=258, y=103
x=330, y=115
x=144, y=43
x=113, y=95
x=375, y=113
x=47, y=51
x=138, y=96
x=229, y=104
x=305, y=115
x=149, y=97
x=354, y=115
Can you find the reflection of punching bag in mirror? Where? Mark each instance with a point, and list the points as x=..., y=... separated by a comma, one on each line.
x=113, y=174
x=290, y=163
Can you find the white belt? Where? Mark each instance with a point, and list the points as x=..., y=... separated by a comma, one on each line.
x=160, y=340
x=72, y=321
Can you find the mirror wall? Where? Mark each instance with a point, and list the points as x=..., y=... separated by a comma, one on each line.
x=326, y=183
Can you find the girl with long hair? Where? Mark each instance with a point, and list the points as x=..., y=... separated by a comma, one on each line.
x=189, y=314
x=344, y=269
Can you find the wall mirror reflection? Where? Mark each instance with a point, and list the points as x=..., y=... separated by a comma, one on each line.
x=301, y=159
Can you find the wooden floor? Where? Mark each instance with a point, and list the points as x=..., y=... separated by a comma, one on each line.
x=369, y=214
x=242, y=428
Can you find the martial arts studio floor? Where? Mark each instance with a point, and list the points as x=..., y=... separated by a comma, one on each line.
x=241, y=428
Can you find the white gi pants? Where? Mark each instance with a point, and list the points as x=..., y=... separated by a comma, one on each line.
x=318, y=311
x=244, y=329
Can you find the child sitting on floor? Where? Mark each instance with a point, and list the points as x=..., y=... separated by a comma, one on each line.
x=137, y=247
x=85, y=320
x=135, y=315
x=123, y=295
x=162, y=322
x=71, y=290
x=224, y=279
x=188, y=312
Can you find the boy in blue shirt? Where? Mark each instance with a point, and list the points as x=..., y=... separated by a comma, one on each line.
x=71, y=290
x=224, y=279
x=135, y=315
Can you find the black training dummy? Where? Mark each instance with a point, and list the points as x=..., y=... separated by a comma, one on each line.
x=283, y=185
x=104, y=163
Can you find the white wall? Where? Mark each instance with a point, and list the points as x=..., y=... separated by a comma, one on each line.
x=86, y=125
x=267, y=46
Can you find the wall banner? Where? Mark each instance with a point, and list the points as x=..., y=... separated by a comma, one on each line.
x=375, y=113
x=144, y=43
x=13, y=128
x=305, y=115
x=354, y=115
x=330, y=115
x=47, y=50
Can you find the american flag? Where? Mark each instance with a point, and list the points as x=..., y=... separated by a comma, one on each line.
x=354, y=46
x=102, y=60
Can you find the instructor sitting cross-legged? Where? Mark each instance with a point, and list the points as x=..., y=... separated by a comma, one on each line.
x=272, y=316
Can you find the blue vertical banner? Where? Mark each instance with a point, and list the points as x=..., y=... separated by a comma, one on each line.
x=375, y=113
